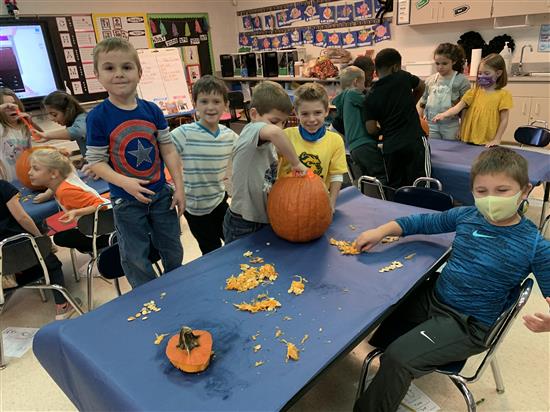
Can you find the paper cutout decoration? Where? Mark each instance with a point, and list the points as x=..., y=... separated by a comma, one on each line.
x=198, y=28
x=362, y=10
x=247, y=22
x=285, y=41
x=308, y=36
x=381, y=32
x=265, y=44
x=327, y=14
x=257, y=23
x=377, y=6
x=320, y=38
x=255, y=43
x=349, y=39
x=244, y=40
x=276, y=42
x=282, y=18
x=296, y=13
x=187, y=30
x=310, y=11
x=296, y=37
x=163, y=29
x=269, y=22
x=174, y=30
x=344, y=13
x=364, y=37
x=333, y=39
x=153, y=27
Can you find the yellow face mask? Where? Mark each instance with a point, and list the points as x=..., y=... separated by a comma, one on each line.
x=497, y=208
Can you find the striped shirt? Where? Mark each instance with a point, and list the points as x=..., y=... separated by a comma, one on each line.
x=205, y=156
x=487, y=262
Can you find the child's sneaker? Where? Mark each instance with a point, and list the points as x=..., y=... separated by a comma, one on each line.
x=64, y=311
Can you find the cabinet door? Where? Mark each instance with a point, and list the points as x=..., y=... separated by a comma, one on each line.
x=424, y=11
x=540, y=109
x=519, y=116
x=502, y=8
x=453, y=10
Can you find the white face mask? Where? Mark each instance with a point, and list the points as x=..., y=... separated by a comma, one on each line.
x=498, y=208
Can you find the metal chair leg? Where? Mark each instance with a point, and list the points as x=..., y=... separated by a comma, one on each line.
x=73, y=261
x=468, y=397
x=365, y=370
x=43, y=296
x=89, y=282
x=117, y=286
x=497, y=375
x=61, y=290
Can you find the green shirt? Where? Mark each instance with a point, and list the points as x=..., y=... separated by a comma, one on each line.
x=350, y=106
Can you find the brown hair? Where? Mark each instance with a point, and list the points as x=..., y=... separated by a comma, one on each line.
x=66, y=104
x=53, y=159
x=349, y=74
x=496, y=62
x=4, y=91
x=310, y=92
x=501, y=160
x=268, y=96
x=210, y=85
x=115, y=44
x=453, y=52
x=366, y=64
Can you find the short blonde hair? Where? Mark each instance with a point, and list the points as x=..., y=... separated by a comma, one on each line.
x=115, y=44
x=349, y=75
x=54, y=160
x=310, y=92
x=268, y=96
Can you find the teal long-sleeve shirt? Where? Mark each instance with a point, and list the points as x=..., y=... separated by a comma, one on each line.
x=487, y=262
x=350, y=106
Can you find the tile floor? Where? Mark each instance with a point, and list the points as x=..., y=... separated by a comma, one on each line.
x=523, y=357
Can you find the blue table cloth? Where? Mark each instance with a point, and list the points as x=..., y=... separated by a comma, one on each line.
x=452, y=161
x=103, y=362
x=40, y=211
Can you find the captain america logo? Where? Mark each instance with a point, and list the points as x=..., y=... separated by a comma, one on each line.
x=134, y=150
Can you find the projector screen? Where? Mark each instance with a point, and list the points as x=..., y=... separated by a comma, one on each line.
x=27, y=65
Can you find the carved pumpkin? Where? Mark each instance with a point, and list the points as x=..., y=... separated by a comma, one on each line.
x=299, y=208
x=190, y=350
x=23, y=165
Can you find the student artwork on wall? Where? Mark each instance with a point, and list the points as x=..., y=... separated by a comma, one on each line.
x=183, y=30
x=269, y=22
x=349, y=40
x=327, y=14
x=130, y=26
x=344, y=13
x=362, y=10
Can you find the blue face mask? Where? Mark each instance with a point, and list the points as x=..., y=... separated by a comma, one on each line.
x=312, y=137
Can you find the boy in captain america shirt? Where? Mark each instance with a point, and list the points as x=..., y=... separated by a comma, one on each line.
x=128, y=142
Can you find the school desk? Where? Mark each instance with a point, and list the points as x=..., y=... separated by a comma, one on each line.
x=40, y=211
x=452, y=161
x=104, y=362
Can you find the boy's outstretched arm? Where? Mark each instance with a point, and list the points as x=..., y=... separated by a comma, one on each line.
x=174, y=165
x=453, y=111
x=370, y=238
x=275, y=135
x=539, y=322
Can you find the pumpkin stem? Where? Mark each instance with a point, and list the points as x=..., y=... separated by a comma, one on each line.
x=188, y=340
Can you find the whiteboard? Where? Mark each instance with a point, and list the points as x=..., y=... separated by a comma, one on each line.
x=163, y=80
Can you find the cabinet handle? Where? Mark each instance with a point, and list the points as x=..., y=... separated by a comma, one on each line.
x=537, y=106
x=523, y=108
x=432, y=13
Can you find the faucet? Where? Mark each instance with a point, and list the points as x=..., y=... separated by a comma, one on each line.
x=520, y=66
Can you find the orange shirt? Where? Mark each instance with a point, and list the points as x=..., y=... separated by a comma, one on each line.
x=73, y=193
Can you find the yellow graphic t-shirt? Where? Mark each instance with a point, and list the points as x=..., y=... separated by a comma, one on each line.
x=480, y=123
x=325, y=157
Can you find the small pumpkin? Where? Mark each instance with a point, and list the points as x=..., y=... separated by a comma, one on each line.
x=190, y=350
x=299, y=208
x=23, y=165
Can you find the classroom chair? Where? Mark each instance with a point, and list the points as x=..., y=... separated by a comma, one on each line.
x=421, y=194
x=493, y=340
x=94, y=225
x=532, y=135
x=109, y=266
x=372, y=187
x=545, y=228
x=354, y=172
x=236, y=102
x=21, y=252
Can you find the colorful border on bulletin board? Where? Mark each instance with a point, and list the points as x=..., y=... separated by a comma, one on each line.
x=175, y=37
x=131, y=26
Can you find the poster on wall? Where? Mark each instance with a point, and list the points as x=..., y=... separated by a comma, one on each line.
x=130, y=26
x=544, y=38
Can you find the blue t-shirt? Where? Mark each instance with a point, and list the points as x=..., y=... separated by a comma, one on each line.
x=487, y=262
x=128, y=140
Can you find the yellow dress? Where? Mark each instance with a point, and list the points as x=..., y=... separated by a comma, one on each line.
x=482, y=118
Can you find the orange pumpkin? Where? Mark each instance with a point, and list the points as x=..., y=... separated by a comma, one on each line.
x=299, y=208
x=190, y=350
x=23, y=165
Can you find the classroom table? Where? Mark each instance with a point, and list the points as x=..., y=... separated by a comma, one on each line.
x=452, y=161
x=102, y=361
x=40, y=211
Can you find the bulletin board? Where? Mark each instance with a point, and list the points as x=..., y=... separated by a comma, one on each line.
x=163, y=80
x=130, y=26
x=191, y=32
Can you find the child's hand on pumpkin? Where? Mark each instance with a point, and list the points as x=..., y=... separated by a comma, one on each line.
x=299, y=170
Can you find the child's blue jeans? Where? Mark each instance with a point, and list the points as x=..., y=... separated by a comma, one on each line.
x=139, y=223
x=235, y=227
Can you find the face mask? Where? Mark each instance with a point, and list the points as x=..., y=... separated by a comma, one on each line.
x=485, y=81
x=498, y=208
x=312, y=137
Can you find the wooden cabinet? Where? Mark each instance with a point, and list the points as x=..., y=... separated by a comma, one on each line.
x=540, y=109
x=504, y=8
x=424, y=12
x=519, y=116
x=453, y=10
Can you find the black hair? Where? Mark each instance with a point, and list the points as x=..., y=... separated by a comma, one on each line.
x=387, y=58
